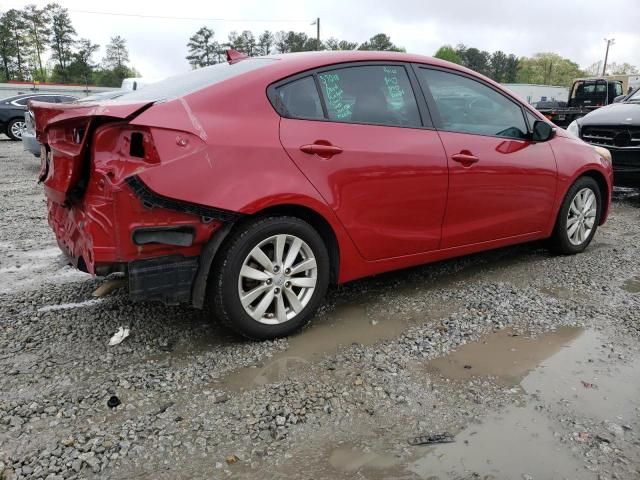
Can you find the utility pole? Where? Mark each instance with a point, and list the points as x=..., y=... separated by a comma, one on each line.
x=610, y=41
x=317, y=24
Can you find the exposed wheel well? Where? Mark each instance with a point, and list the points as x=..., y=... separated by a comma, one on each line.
x=320, y=224
x=604, y=190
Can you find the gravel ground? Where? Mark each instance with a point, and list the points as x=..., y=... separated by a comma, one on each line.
x=414, y=353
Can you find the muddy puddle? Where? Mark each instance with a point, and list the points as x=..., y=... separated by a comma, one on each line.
x=504, y=355
x=347, y=324
x=569, y=369
x=632, y=285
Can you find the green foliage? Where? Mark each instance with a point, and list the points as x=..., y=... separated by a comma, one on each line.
x=335, y=44
x=448, y=53
x=62, y=38
x=548, y=69
x=266, y=42
x=380, y=42
x=37, y=22
x=203, y=48
x=621, y=69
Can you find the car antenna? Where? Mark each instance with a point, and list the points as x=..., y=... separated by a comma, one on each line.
x=234, y=55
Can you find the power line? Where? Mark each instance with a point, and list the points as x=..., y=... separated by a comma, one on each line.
x=163, y=17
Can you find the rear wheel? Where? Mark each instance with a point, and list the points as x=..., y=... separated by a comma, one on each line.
x=578, y=218
x=15, y=127
x=270, y=278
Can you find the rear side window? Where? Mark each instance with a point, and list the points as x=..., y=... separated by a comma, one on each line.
x=468, y=106
x=300, y=99
x=44, y=98
x=374, y=94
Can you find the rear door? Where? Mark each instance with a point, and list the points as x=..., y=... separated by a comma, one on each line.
x=501, y=183
x=364, y=146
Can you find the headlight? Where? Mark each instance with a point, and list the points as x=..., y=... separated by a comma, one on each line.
x=604, y=153
x=574, y=129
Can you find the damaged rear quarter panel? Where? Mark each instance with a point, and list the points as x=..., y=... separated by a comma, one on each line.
x=243, y=168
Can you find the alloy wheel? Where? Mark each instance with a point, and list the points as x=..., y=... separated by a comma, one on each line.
x=581, y=216
x=277, y=279
x=17, y=128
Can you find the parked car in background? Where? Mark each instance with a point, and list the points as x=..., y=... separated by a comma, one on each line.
x=12, y=111
x=29, y=141
x=334, y=166
x=617, y=128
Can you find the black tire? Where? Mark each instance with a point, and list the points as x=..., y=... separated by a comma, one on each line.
x=559, y=241
x=10, y=125
x=223, y=298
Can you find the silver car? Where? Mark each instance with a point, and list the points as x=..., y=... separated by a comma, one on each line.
x=29, y=141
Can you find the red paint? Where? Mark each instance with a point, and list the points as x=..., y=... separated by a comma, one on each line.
x=394, y=197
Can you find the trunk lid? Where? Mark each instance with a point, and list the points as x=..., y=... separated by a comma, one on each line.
x=64, y=130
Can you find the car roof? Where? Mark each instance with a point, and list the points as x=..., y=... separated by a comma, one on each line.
x=308, y=60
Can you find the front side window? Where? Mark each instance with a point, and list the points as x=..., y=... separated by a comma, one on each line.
x=375, y=94
x=300, y=99
x=468, y=106
x=21, y=101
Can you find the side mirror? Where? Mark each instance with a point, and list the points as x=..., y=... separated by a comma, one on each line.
x=618, y=98
x=542, y=131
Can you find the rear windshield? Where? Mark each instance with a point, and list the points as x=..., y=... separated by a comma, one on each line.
x=195, y=80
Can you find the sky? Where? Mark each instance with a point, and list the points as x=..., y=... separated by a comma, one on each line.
x=575, y=29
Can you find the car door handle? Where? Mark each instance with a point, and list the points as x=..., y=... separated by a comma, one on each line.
x=322, y=150
x=465, y=158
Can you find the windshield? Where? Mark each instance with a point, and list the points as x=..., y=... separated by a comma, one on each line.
x=195, y=80
x=635, y=97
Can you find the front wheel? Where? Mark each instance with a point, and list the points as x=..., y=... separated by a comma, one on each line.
x=15, y=128
x=270, y=277
x=578, y=217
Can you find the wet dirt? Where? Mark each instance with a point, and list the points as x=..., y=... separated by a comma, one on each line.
x=502, y=354
x=632, y=285
x=569, y=369
x=570, y=377
x=479, y=452
x=345, y=325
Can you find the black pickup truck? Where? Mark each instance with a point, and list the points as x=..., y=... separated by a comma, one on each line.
x=586, y=95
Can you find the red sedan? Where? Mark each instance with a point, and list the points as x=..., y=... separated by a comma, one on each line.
x=249, y=186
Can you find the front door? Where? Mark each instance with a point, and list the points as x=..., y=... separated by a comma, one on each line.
x=364, y=148
x=501, y=183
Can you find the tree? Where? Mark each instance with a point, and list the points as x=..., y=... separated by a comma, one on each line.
x=475, y=59
x=62, y=37
x=82, y=67
x=621, y=69
x=448, y=53
x=291, y=41
x=244, y=42
x=548, y=69
x=335, y=44
x=498, y=66
x=380, y=42
x=511, y=71
x=115, y=63
x=37, y=21
x=203, y=49
x=117, y=55
x=265, y=43
x=14, y=26
x=8, y=50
